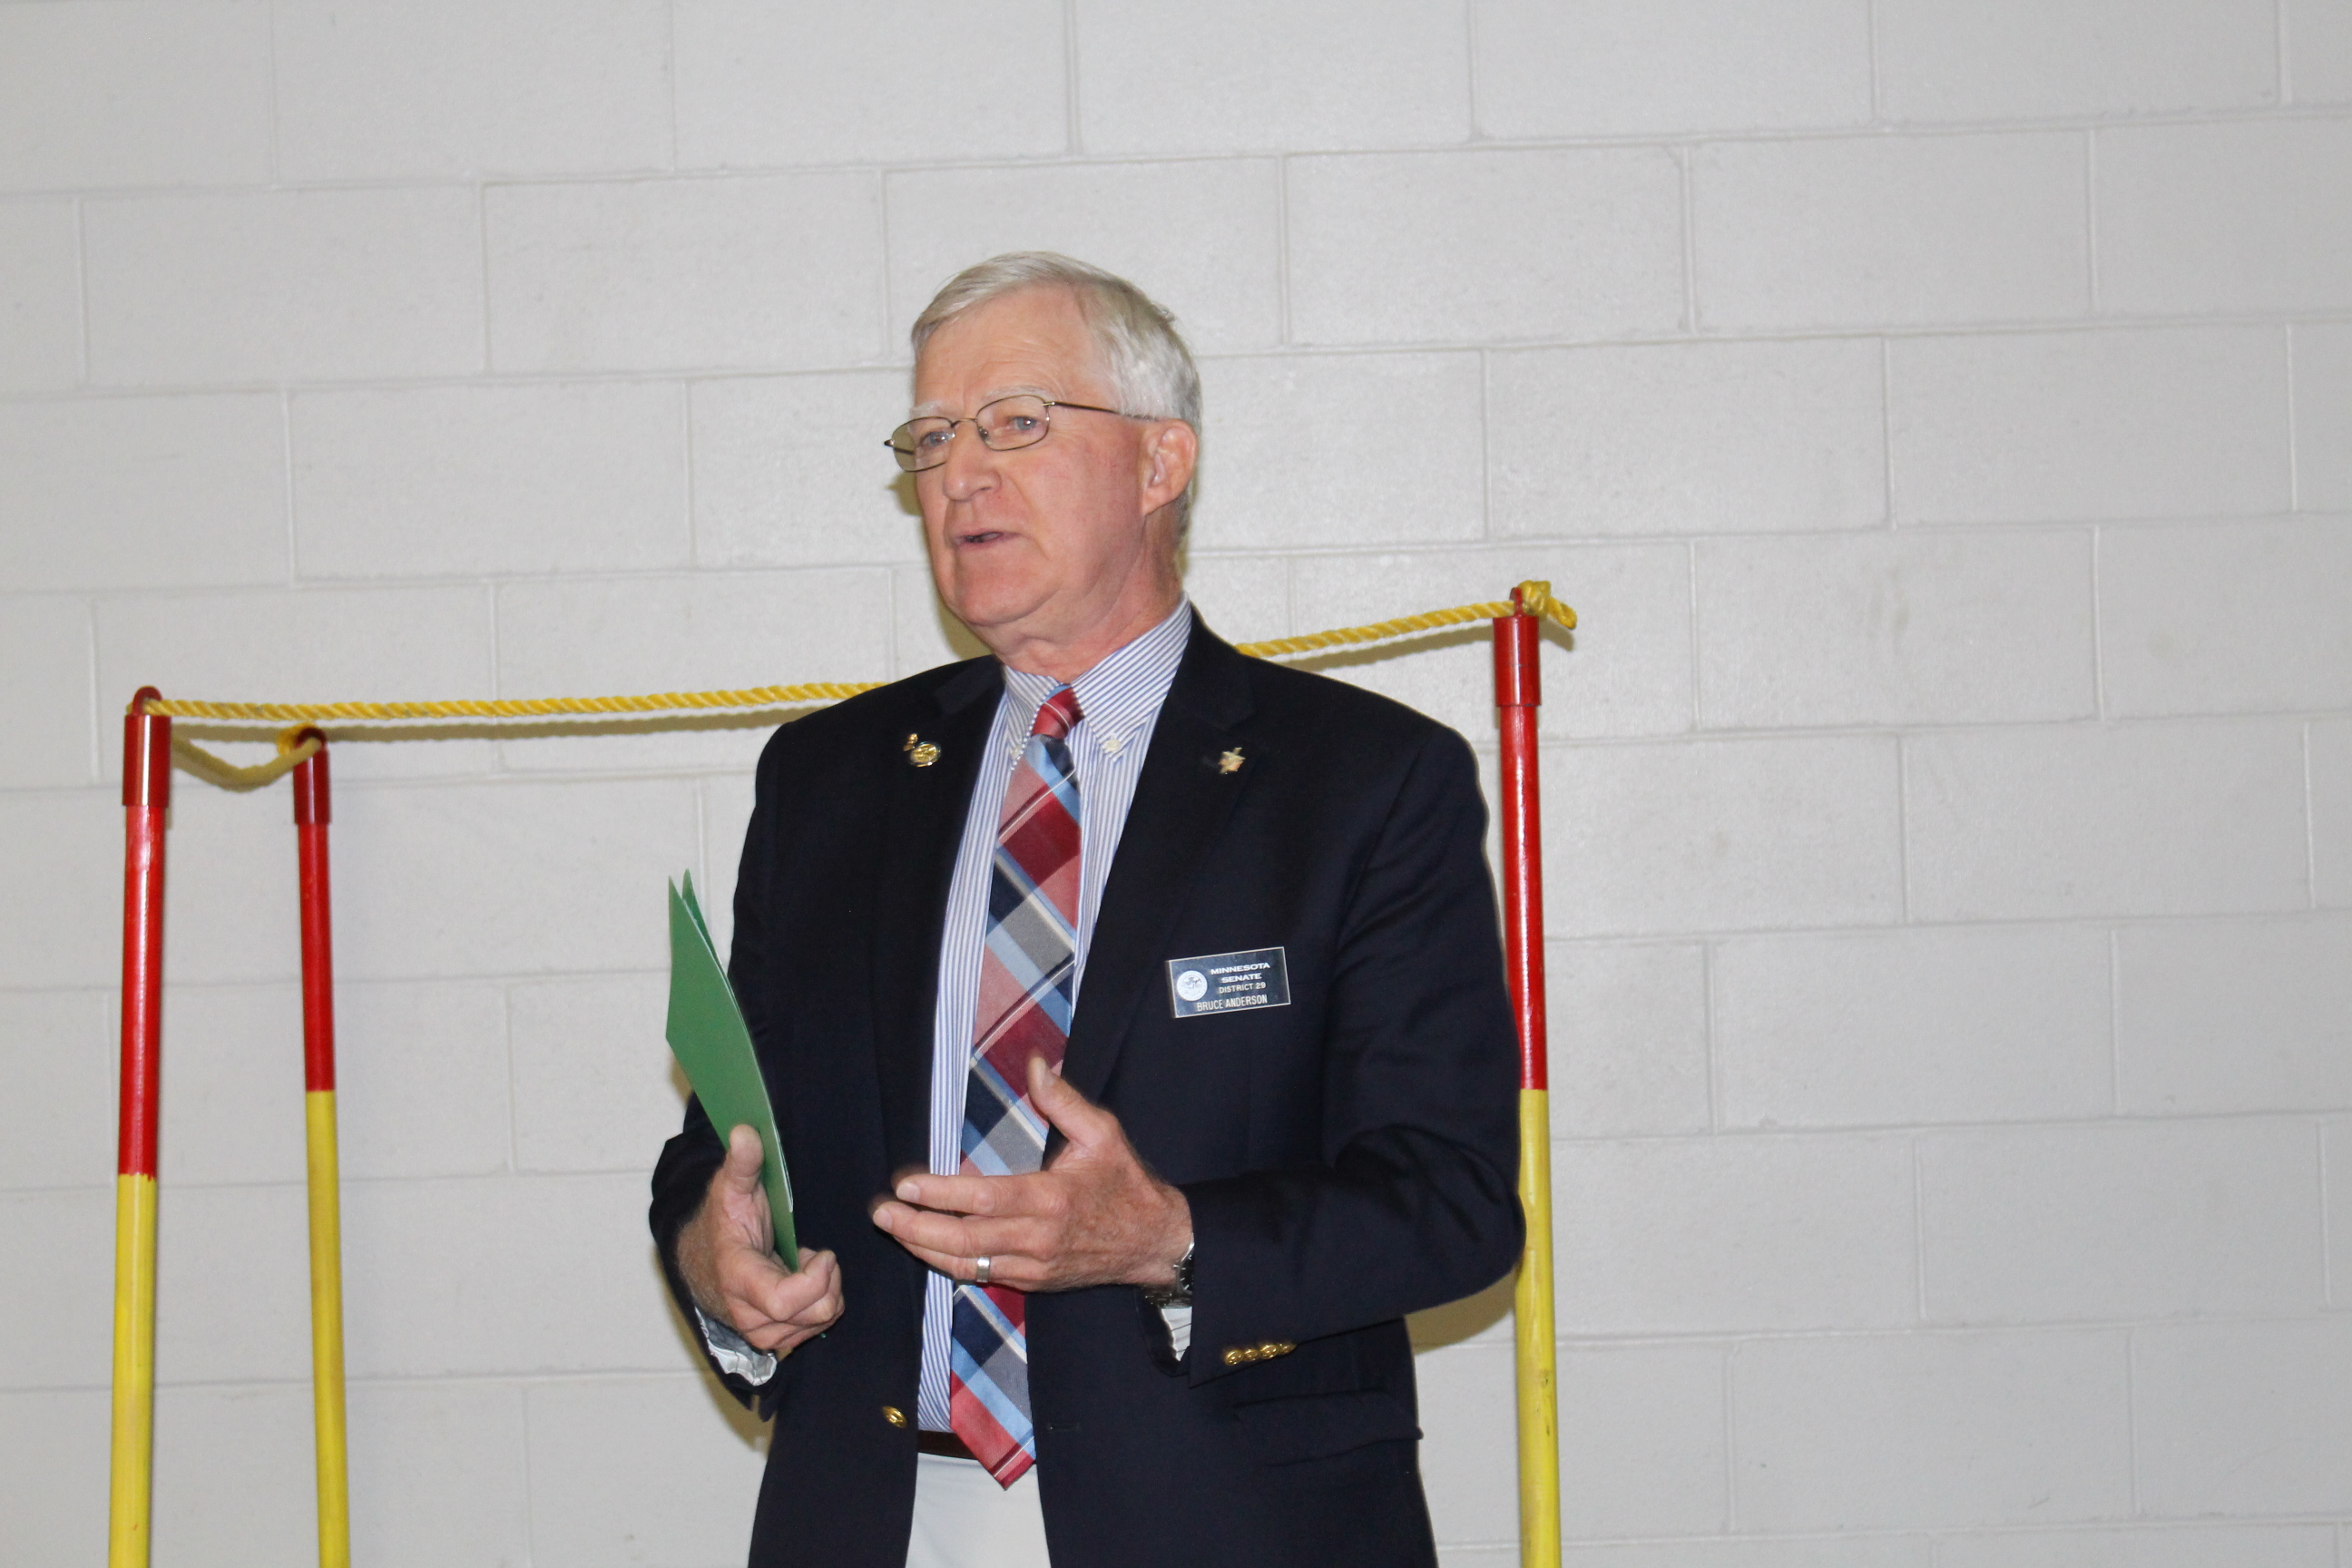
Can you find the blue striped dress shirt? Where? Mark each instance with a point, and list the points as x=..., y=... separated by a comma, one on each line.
x=1119, y=704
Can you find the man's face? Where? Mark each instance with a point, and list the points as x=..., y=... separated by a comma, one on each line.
x=1050, y=542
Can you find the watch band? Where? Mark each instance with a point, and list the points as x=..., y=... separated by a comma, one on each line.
x=1180, y=1294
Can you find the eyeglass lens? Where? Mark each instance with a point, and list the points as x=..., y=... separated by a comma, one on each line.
x=1005, y=424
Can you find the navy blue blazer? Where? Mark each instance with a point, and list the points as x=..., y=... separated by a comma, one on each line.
x=1349, y=1158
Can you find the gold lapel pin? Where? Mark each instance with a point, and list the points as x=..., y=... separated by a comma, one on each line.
x=1231, y=763
x=920, y=751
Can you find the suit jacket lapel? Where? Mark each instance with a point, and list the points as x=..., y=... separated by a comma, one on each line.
x=922, y=828
x=1181, y=804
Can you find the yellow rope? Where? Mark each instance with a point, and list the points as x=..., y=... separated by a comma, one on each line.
x=292, y=752
x=515, y=708
x=1535, y=598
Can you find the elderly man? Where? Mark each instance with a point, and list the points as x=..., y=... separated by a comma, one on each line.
x=1134, y=1016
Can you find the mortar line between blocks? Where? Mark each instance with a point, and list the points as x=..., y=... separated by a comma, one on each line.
x=682, y=1376
x=1891, y=333
x=1917, y=131
x=2098, y=1124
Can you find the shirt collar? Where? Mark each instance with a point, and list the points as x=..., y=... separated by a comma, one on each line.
x=1119, y=694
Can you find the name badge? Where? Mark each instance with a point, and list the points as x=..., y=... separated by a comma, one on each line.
x=1228, y=982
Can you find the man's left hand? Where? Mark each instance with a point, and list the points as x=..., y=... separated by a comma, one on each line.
x=1095, y=1216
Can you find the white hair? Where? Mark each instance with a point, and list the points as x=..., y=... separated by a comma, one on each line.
x=1143, y=356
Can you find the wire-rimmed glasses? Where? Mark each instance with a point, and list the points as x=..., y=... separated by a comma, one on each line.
x=1006, y=425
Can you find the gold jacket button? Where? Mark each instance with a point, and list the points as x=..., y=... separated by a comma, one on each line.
x=893, y=1414
x=1236, y=1356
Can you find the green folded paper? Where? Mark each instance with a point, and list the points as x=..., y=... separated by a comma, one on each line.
x=707, y=1035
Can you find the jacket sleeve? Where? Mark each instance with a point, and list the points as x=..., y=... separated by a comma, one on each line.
x=1413, y=1203
x=680, y=1178
x=682, y=1175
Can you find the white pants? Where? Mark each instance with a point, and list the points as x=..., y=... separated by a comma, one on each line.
x=964, y=1519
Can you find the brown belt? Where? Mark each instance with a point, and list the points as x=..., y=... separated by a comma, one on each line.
x=945, y=1445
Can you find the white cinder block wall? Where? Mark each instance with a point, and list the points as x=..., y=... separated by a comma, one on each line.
x=1940, y=414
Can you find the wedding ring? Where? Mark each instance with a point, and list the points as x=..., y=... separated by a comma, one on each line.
x=980, y=1271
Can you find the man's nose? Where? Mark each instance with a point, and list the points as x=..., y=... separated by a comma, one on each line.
x=971, y=467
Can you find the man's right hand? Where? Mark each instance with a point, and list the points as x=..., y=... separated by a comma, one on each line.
x=724, y=1253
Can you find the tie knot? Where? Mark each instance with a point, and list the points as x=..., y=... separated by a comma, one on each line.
x=1058, y=715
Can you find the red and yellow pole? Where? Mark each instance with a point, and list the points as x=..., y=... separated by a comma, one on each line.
x=313, y=812
x=1519, y=693
x=146, y=797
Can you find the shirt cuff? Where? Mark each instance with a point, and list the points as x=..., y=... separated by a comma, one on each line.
x=734, y=1354
x=1179, y=1327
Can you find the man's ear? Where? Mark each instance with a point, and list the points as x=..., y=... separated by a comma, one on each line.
x=1168, y=459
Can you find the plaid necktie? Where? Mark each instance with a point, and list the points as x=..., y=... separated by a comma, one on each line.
x=1027, y=968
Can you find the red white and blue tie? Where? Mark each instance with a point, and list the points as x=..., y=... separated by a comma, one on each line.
x=1027, y=977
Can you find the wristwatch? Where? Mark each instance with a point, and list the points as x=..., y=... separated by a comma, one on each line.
x=1180, y=1294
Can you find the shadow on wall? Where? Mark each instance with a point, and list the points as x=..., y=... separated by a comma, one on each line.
x=1465, y=1320
x=745, y=1424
